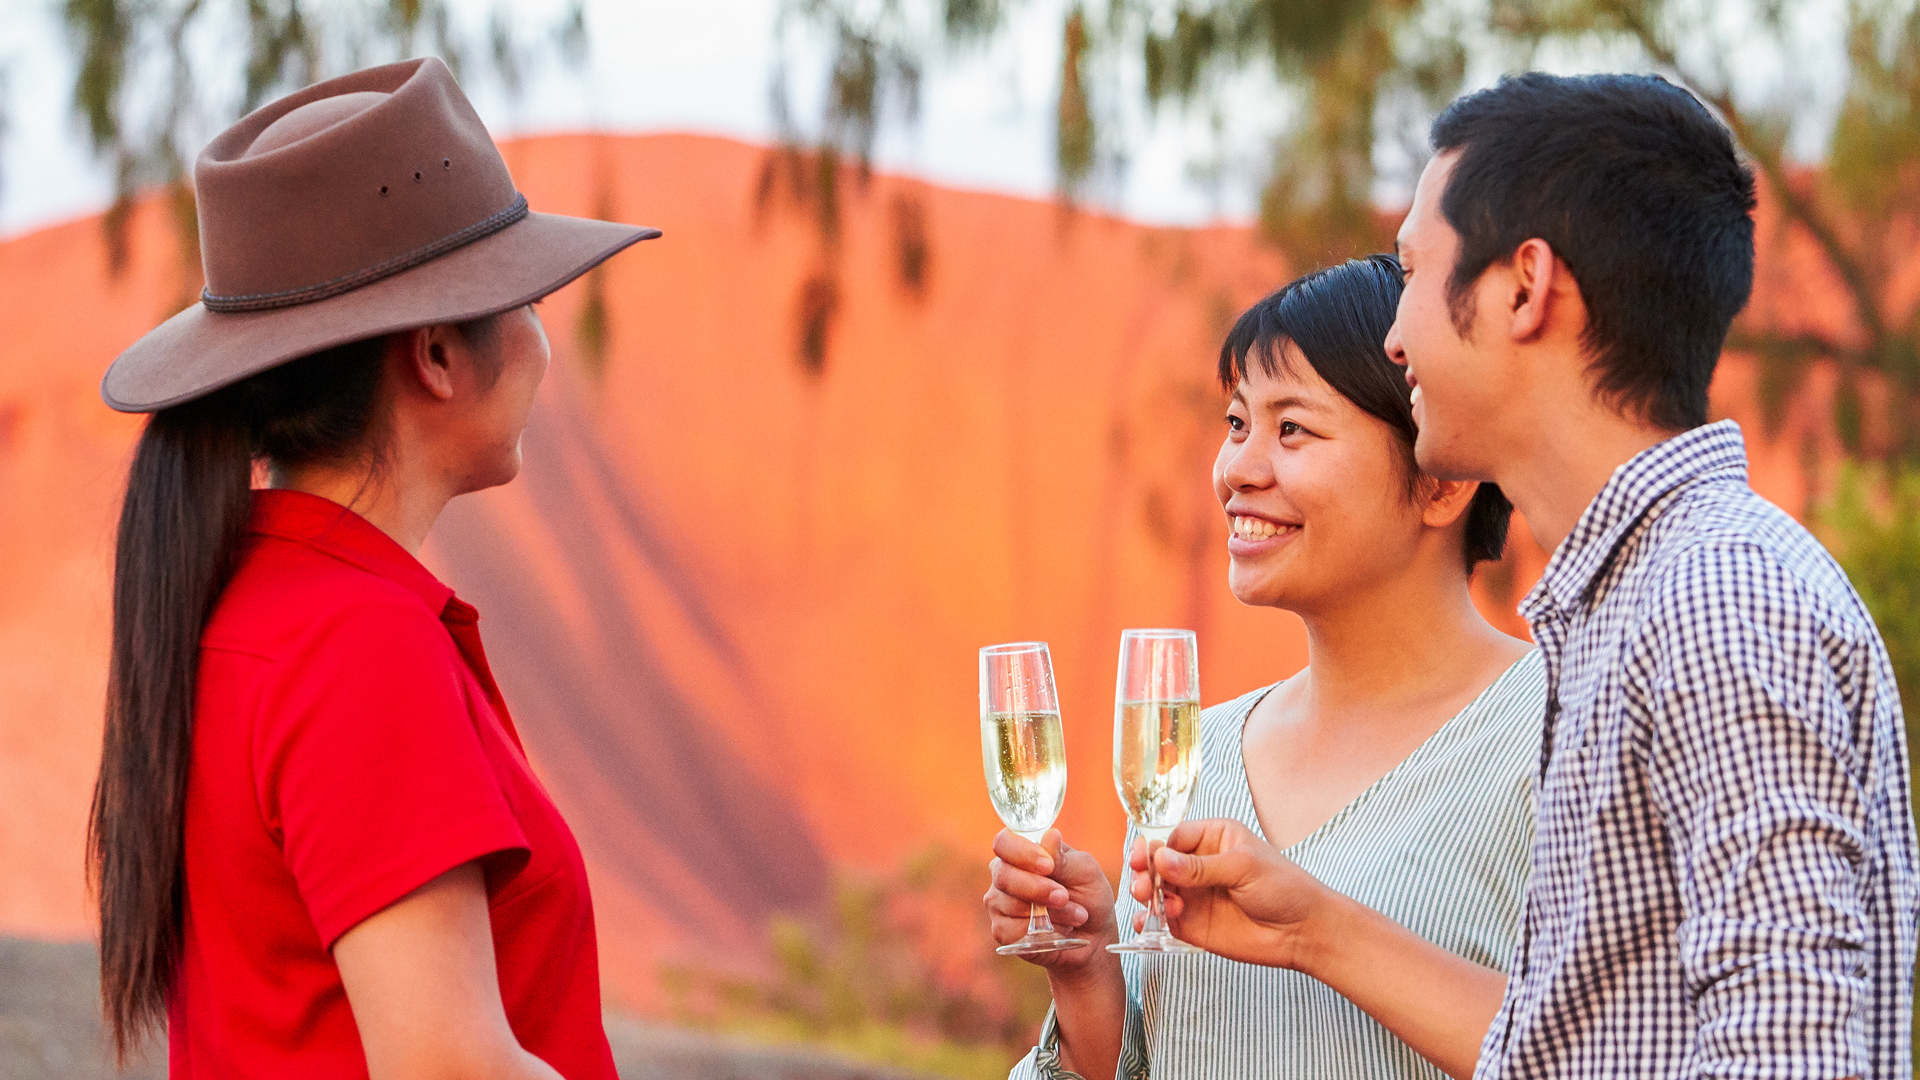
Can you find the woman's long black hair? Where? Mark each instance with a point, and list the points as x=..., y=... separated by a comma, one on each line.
x=181, y=529
x=1338, y=318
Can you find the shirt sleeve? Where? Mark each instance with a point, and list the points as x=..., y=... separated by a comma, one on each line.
x=1043, y=1061
x=1761, y=779
x=369, y=767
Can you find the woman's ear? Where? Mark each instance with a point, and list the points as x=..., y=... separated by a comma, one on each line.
x=426, y=359
x=1446, y=500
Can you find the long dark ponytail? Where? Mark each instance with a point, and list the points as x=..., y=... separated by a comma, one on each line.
x=181, y=530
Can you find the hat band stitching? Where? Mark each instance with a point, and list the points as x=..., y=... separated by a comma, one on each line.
x=306, y=294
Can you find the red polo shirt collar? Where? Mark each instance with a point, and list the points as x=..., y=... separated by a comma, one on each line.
x=332, y=529
x=328, y=527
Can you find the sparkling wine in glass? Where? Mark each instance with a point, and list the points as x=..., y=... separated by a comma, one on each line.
x=1026, y=761
x=1156, y=753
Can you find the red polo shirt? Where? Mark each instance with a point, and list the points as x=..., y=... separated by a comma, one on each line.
x=349, y=745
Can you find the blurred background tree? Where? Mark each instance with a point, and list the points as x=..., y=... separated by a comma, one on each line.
x=1860, y=210
x=154, y=81
x=1361, y=81
x=876, y=54
x=1874, y=528
x=6, y=80
x=1366, y=77
x=1363, y=78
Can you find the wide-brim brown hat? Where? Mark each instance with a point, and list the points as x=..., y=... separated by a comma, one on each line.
x=360, y=206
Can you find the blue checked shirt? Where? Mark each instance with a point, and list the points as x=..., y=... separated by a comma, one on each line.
x=1724, y=860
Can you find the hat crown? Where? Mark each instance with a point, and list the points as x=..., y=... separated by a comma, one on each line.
x=314, y=116
x=358, y=207
x=327, y=186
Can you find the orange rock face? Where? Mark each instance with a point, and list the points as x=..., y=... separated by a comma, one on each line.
x=735, y=599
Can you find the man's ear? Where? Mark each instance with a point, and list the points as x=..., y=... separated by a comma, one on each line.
x=1537, y=275
x=1446, y=500
x=425, y=355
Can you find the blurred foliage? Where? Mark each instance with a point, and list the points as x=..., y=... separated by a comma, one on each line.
x=590, y=327
x=900, y=972
x=1364, y=78
x=593, y=325
x=876, y=67
x=6, y=82
x=912, y=249
x=155, y=80
x=1357, y=63
x=876, y=52
x=1872, y=524
x=1074, y=145
x=1861, y=212
x=1349, y=64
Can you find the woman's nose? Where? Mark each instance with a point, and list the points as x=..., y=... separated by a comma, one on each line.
x=1244, y=469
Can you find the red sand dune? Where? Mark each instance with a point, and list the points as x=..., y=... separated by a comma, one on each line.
x=733, y=603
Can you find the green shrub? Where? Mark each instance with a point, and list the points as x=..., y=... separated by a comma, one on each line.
x=899, y=972
x=1872, y=525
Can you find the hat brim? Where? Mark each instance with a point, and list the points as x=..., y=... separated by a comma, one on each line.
x=198, y=351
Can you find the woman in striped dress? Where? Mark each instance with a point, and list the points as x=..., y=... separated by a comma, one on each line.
x=1395, y=768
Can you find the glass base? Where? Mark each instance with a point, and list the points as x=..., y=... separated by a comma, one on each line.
x=1158, y=941
x=1043, y=942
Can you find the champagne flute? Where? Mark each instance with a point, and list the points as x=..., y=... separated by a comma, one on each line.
x=1026, y=761
x=1156, y=754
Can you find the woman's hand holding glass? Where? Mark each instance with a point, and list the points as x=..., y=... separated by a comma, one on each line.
x=1025, y=757
x=1089, y=992
x=1234, y=895
x=1066, y=881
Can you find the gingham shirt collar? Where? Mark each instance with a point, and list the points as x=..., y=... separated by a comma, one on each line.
x=1710, y=452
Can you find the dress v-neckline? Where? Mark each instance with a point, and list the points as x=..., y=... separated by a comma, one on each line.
x=1353, y=805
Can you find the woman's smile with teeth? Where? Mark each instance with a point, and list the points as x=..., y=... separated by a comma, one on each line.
x=1253, y=528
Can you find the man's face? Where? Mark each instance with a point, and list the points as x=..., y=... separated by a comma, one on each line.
x=1457, y=378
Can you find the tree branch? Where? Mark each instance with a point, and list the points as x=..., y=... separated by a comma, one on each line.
x=1792, y=204
x=1771, y=344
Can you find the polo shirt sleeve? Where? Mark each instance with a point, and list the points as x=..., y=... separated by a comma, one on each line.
x=369, y=768
x=1756, y=773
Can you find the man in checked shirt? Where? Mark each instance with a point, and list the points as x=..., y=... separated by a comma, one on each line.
x=1724, y=860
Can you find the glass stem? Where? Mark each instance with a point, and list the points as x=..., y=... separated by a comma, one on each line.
x=1156, y=923
x=1038, y=921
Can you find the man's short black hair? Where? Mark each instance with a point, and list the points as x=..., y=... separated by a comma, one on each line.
x=1638, y=189
x=1338, y=319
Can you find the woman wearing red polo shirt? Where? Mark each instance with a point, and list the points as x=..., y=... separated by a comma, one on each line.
x=319, y=849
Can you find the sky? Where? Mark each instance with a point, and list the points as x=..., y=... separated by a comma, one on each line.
x=986, y=119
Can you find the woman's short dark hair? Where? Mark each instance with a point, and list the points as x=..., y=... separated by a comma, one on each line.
x=1338, y=319
x=1639, y=190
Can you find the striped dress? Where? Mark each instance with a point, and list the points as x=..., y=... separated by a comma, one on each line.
x=1439, y=844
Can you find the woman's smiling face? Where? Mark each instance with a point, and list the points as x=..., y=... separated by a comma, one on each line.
x=1317, y=492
